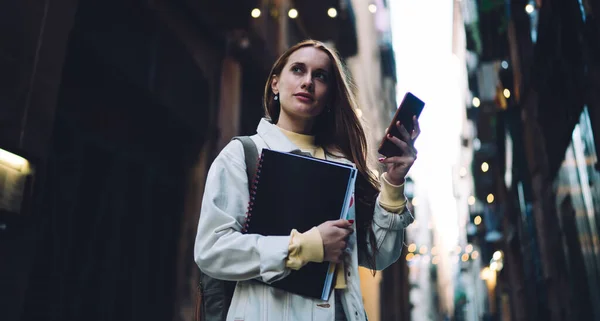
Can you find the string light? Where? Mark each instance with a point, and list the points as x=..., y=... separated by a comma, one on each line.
x=293, y=13
x=494, y=266
x=490, y=198
x=497, y=255
x=485, y=167
x=412, y=247
x=332, y=12
x=255, y=13
x=476, y=102
x=372, y=8
x=477, y=220
x=529, y=8
x=469, y=248
x=506, y=93
x=471, y=200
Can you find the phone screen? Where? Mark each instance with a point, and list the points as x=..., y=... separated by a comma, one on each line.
x=410, y=106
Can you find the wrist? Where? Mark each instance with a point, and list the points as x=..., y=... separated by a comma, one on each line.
x=393, y=180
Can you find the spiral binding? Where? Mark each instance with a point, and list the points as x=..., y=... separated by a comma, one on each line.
x=253, y=188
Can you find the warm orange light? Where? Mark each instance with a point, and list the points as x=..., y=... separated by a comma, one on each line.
x=412, y=247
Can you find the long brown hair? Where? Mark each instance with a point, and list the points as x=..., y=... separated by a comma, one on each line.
x=339, y=131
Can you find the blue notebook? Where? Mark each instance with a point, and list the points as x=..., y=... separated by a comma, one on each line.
x=292, y=191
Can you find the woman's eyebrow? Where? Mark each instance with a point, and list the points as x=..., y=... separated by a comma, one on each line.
x=298, y=63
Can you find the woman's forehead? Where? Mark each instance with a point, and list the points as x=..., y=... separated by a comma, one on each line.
x=311, y=56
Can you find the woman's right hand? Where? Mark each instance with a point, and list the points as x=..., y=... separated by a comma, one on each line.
x=335, y=236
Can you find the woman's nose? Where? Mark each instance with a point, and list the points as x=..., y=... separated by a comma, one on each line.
x=307, y=83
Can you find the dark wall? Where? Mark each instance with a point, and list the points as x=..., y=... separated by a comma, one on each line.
x=129, y=125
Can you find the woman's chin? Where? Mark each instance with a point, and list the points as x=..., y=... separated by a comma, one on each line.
x=304, y=111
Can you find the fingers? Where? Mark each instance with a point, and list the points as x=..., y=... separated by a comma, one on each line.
x=417, y=129
x=337, y=255
x=398, y=160
x=345, y=224
x=404, y=146
x=403, y=132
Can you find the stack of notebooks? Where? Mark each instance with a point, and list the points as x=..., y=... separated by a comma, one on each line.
x=292, y=191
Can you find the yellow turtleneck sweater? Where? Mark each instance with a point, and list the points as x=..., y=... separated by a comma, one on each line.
x=308, y=246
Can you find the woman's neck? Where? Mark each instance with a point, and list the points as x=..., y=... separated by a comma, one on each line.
x=299, y=126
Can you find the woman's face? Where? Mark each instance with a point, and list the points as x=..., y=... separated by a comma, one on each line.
x=303, y=84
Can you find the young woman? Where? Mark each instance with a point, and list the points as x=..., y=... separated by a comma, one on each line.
x=309, y=106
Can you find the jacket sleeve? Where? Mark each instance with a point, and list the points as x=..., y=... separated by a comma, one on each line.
x=388, y=227
x=221, y=250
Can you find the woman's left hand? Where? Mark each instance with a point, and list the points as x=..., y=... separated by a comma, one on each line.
x=398, y=166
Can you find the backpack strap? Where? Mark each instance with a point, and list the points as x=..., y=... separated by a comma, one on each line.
x=250, y=156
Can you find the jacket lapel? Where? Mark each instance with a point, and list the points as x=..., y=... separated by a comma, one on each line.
x=274, y=138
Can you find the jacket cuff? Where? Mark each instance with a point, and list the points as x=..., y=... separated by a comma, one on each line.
x=392, y=197
x=303, y=248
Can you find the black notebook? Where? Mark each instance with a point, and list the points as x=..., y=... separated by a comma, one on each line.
x=292, y=191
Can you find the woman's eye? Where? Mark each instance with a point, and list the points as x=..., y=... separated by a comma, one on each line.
x=296, y=69
x=321, y=76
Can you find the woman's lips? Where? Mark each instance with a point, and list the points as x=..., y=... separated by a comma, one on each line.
x=304, y=98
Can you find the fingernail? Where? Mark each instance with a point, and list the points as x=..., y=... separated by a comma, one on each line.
x=381, y=159
x=351, y=221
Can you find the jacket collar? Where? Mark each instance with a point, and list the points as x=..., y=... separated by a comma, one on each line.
x=274, y=138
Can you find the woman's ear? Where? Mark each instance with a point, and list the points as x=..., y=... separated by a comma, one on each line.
x=275, y=84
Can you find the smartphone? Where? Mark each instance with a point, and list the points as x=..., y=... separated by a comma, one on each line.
x=409, y=107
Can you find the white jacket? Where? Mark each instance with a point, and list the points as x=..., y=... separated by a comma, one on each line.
x=223, y=252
